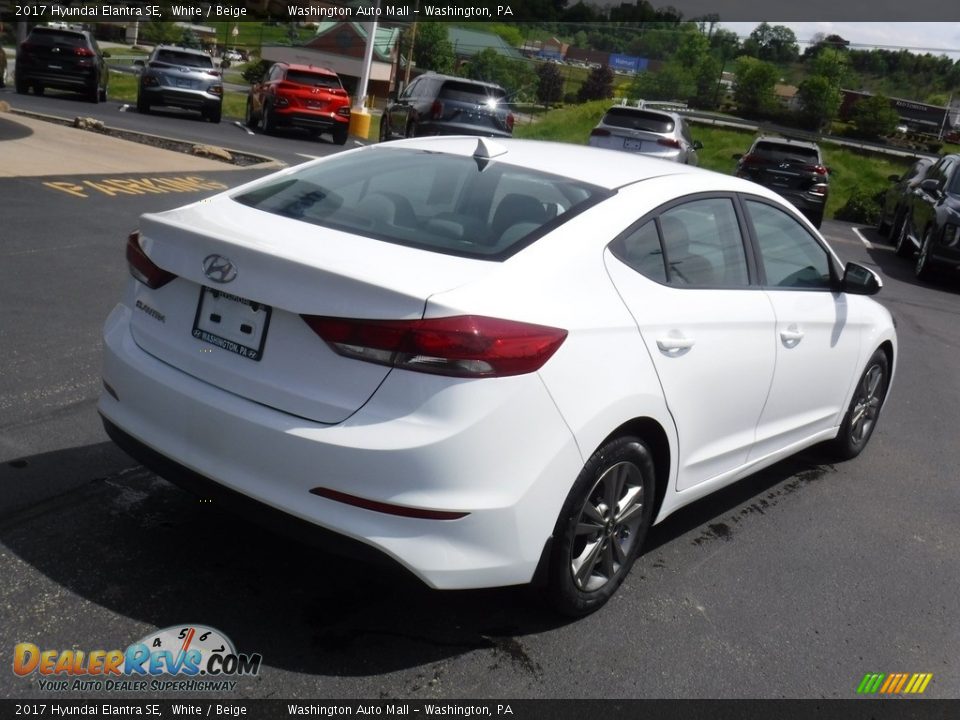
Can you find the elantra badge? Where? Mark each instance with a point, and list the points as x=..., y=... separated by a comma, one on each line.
x=219, y=269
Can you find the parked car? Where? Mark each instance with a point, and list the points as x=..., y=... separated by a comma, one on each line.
x=931, y=221
x=182, y=78
x=3, y=68
x=494, y=362
x=661, y=134
x=792, y=168
x=302, y=96
x=443, y=105
x=895, y=199
x=64, y=60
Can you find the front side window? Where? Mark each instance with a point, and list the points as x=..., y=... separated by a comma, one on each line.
x=790, y=255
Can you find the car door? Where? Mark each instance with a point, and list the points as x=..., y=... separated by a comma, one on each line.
x=401, y=109
x=685, y=277
x=924, y=201
x=817, y=336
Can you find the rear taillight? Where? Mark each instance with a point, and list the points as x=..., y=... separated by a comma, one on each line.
x=818, y=169
x=215, y=90
x=750, y=159
x=436, y=110
x=599, y=132
x=461, y=346
x=344, y=111
x=669, y=142
x=83, y=52
x=510, y=121
x=142, y=267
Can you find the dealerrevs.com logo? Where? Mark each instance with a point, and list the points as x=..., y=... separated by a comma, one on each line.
x=181, y=658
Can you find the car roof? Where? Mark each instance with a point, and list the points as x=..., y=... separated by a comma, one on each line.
x=190, y=51
x=786, y=141
x=467, y=81
x=308, y=68
x=638, y=110
x=603, y=168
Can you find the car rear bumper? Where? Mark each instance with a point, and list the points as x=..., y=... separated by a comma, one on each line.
x=181, y=98
x=310, y=120
x=65, y=80
x=496, y=450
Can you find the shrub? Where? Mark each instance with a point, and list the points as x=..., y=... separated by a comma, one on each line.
x=861, y=207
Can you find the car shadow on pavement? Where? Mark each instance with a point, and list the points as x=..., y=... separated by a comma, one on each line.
x=139, y=547
x=10, y=130
x=902, y=268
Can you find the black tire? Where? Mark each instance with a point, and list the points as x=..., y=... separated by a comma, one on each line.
x=38, y=89
x=411, y=129
x=103, y=94
x=595, y=542
x=883, y=227
x=21, y=86
x=384, y=128
x=864, y=411
x=340, y=135
x=92, y=94
x=249, y=119
x=904, y=248
x=924, y=267
x=214, y=115
x=143, y=105
x=267, y=122
x=817, y=220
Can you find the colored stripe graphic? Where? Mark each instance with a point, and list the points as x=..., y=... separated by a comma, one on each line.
x=894, y=683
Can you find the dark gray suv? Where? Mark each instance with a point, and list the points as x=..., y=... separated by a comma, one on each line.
x=182, y=78
x=444, y=105
x=63, y=60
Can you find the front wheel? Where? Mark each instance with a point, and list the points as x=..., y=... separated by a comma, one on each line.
x=249, y=119
x=904, y=246
x=267, y=122
x=864, y=411
x=601, y=526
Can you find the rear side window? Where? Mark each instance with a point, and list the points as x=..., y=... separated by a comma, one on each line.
x=445, y=203
x=173, y=57
x=468, y=92
x=639, y=120
x=302, y=77
x=703, y=244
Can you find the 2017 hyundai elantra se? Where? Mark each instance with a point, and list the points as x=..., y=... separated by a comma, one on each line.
x=495, y=362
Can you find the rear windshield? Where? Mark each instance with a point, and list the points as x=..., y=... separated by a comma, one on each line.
x=43, y=36
x=173, y=57
x=450, y=204
x=469, y=93
x=785, y=150
x=303, y=77
x=639, y=120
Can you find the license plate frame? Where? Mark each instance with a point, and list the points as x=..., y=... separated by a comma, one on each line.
x=222, y=319
x=632, y=144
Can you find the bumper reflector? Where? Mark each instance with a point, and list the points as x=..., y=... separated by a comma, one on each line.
x=401, y=510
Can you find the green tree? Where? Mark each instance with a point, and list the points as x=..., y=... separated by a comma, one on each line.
x=832, y=64
x=514, y=76
x=820, y=101
x=753, y=89
x=432, y=49
x=772, y=43
x=874, y=117
x=597, y=86
x=549, y=84
x=161, y=33
x=671, y=82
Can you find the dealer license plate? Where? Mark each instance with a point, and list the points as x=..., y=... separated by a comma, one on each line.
x=629, y=144
x=232, y=323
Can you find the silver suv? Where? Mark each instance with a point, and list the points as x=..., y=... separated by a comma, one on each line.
x=182, y=78
x=658, y=133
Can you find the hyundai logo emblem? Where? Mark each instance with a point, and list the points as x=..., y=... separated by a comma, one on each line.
x=219, y=269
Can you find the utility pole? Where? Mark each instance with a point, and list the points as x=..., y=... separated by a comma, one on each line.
x=413, y=37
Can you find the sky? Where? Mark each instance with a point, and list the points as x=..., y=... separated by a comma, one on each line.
x=938, y=38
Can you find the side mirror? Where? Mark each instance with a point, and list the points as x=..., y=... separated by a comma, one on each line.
x=893, y=178
x=697, y=145
x=105, y=54
x=139, y=63
x=737, y=156
x=860, y=280
x=931, y=186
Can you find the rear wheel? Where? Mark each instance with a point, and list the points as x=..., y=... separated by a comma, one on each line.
x=143, y=105
x=924, y=267
x=21, y=86
x=384, y=129
x=904, y=247
x=601, y=526
x=249, y=119
x=864, y=410
x=213, y=115
x=37, y=89
x=340, y=135
x=267, y=121
x=92, y=93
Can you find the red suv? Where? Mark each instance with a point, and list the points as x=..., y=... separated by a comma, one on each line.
x=300, y=96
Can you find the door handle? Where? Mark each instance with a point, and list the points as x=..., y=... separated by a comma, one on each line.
x=791, y=336
x=674, y=345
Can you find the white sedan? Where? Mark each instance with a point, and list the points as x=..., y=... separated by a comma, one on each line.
x=493, y=362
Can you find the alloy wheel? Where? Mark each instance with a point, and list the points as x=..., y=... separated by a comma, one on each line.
x=867, y=404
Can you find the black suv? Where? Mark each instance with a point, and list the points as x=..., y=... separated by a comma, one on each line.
x=792, y=168
x=61, y=59
x=931, y=222
x=444, y=105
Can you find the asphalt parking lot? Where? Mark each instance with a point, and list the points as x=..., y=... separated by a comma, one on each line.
x=793, y=583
